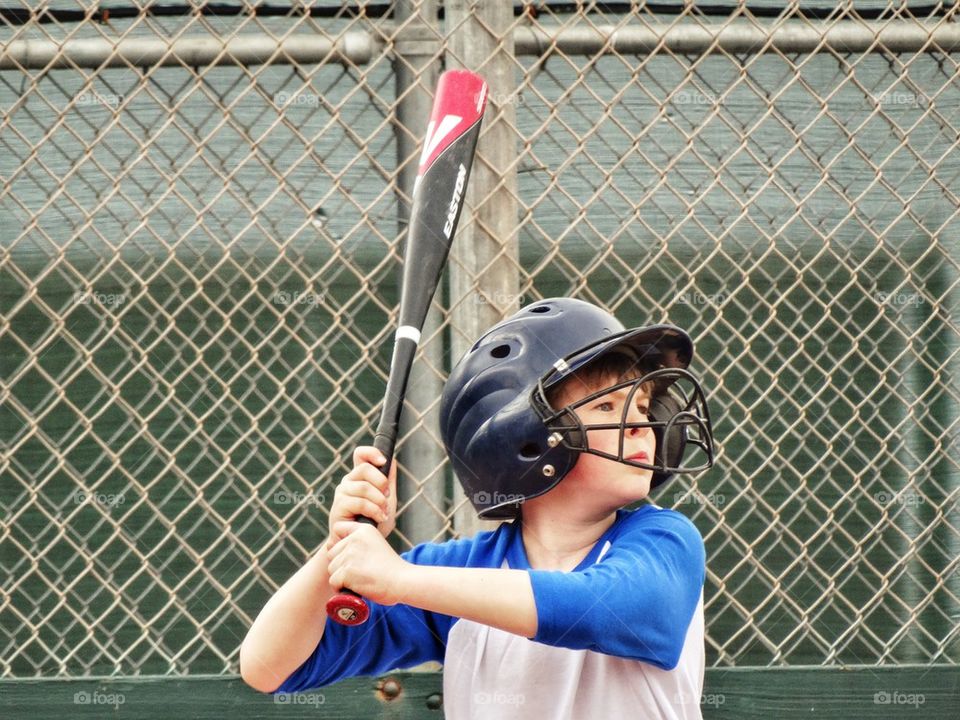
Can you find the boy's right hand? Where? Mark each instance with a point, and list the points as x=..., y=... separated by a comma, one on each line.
x=365, y=490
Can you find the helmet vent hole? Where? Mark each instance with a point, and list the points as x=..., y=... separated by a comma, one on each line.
x=530, y=451
x=500, y=351
x=540, y=309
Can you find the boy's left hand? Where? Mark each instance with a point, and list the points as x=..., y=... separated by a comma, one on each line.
x=363, y=561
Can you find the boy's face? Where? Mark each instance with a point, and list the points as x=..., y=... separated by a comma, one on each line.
x=621, y=483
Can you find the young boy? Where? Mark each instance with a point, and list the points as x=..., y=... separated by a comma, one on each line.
x=556, y=418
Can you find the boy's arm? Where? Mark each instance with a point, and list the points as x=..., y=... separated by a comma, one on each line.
x=289, y=626
x=497, y=597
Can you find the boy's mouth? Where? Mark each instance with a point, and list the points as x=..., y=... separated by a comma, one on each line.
x=640, y=457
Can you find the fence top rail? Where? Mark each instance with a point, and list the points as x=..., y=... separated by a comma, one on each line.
x=359, y=47
x=193, y=51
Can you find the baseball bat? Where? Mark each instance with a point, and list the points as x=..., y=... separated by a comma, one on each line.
x=438, y=196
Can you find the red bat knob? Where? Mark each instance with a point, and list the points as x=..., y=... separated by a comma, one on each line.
x=348, y=608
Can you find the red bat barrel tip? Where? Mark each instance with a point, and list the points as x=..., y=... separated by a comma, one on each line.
x=464, y=84
x=459, y=104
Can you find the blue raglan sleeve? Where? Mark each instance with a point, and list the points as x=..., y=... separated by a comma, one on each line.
x=394, y=637
x=637, y=602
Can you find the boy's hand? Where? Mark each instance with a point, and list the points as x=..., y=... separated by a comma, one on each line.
x=363, y=561
x=365, y=490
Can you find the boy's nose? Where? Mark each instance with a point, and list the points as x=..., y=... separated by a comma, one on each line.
x=635, y=416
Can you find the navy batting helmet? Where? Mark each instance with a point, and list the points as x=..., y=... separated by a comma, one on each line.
x=506, y=441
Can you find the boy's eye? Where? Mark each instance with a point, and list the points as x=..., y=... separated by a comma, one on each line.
x=610, y=406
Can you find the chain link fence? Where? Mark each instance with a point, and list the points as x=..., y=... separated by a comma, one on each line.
x=203, y=209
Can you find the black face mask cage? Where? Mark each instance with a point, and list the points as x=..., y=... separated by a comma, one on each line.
x=678, y=415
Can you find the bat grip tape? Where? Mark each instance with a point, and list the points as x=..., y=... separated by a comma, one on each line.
x=409, y=332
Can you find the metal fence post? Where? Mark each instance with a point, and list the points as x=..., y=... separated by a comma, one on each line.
x=421, y=456
x=484, y=272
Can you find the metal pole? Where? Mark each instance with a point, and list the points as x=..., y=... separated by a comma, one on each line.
x=358, y=47
x=421, y=456
x=484, y=267
x=843, y=36
x=197, y=51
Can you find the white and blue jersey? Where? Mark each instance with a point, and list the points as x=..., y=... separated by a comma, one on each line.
x=622, y=632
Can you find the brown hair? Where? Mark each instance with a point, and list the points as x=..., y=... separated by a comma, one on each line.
x=607, y=370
